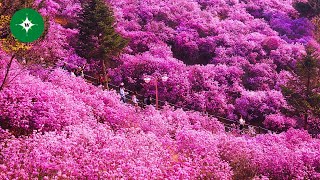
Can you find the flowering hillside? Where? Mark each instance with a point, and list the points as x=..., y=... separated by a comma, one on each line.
x=227, y=58
x=234, y=55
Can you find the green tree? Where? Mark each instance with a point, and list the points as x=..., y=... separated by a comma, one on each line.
x=98, y=39
x=303, y=93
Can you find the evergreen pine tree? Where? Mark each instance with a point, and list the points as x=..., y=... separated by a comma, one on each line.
x=303, y=93
x=98, y=40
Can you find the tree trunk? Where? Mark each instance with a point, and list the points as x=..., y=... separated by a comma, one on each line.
x=6, y=76
x=105, y=76
x=308, y=99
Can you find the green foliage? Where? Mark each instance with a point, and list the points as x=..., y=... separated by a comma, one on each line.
x=303, y=93
x=98, y=40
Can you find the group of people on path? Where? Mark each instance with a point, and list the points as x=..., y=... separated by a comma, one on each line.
x=148, y=101
x=123, y=95
x=75, y=72
x=79, y=71
x=134, y=98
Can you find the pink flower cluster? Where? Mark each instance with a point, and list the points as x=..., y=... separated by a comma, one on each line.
x=279, y=122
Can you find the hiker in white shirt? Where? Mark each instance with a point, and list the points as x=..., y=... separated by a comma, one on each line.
x=242, y=122
x=72, y=73
x=135, y=99
x=122, y=93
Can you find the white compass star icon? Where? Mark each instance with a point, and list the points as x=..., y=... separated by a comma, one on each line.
x=27, y=24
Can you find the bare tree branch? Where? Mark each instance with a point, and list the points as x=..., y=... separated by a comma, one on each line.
x=7, y=73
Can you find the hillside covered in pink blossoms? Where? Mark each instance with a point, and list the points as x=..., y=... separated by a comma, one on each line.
x=227, y=58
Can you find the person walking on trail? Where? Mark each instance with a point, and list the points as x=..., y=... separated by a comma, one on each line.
x=81, y=71
x=77, y=71
x=73, y=73
x=122, y=93
x=64, y=67
x=147, y=101
x=242, y=122
x=135, y=99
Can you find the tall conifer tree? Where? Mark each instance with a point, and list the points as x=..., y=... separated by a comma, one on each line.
x=98, y=39
x=303, y=94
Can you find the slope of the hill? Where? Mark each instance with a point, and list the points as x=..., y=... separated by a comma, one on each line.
x=67, y=128
x=226, y=57
x=245, y=50
x=55, y=126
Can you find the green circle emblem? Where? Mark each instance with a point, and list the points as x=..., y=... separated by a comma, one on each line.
x=27, y=25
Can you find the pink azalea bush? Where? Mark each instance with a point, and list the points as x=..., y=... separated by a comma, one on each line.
x=29, y=104
x=254, y=104
x=284, y=156
x=279, y=122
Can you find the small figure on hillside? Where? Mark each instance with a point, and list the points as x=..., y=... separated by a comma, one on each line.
x=81, y=72
x=64, y=66
x=252, y=131
x=242, y=123
x=147, y=100
x=122, y=93
x=73, y=73
x=234, y=129
x=78, y=71
x=135, y=99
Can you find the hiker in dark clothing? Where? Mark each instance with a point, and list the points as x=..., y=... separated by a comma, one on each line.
x=147, y=101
